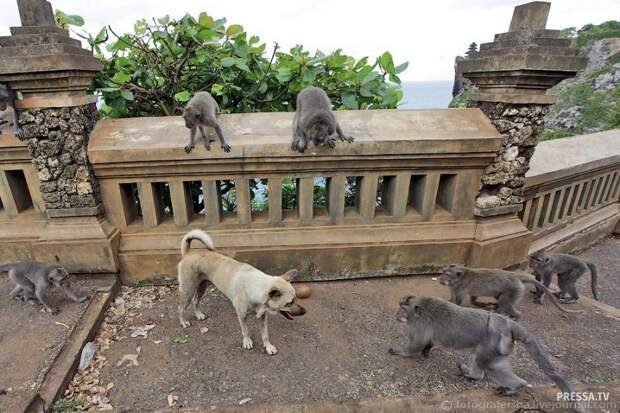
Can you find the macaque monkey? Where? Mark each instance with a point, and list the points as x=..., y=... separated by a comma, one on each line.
x=568, y=268
x=506, y=286
x=202, y=111
x=8, y=113
x=314, y=122
x=33, y=280
x=432, y=322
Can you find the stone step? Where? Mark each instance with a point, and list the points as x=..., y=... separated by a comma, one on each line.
x=43, y=50
x=554, y=34
x=538, y=50
x=34, y=39
x=37, y=30
x=538, y=41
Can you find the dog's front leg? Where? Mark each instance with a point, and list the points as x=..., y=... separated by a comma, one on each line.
x=247, y=340
x=269, y=348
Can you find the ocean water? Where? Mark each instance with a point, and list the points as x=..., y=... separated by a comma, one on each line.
x=426, y=94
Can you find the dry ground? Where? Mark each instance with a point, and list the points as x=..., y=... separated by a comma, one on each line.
x=606, y=256
x=337, y=351
x=30, y=339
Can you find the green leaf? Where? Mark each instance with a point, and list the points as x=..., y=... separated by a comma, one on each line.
x=126, y=94
x=121, y=78
x=262, y=88
x=240, y=63
x=233, y=30
x=102, y=35
x=121, y=44
x=183, y=96
x=180, y=339
x=227, y=61
x=349, y=101
x=206, y=35
x=401, y=68
x=164, y=20
x=284, y=74
x=369, y=77
x=70, y=19
x=217, y=89
x=205, y=20
x=386, y=61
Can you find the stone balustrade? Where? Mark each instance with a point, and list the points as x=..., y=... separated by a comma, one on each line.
x=573, y=186
x=407, y=184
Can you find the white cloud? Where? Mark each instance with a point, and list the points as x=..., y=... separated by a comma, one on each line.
x=427, y=34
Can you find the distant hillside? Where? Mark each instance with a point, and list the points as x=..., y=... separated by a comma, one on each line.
x=589, y=102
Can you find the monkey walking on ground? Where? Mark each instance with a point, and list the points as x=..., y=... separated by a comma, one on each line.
x=33, y=279
x=432, y=322
x=202, y=111
x=506, y=286
x=568, y=268
x=314, y=122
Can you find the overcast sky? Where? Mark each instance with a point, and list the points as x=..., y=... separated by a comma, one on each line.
x=427, y=34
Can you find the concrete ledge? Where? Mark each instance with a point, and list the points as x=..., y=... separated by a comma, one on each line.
x=502, y=210
x=75, y=212
x=518, y=98
x=62, y=370
x=61, y=102
x=532, y=399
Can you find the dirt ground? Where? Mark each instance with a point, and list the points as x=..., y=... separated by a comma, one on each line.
x=337, y=351
x=606, y=256
x=30, y=339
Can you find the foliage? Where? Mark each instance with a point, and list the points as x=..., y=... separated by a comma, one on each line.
x=156, y=69
x=590, y=32
x=180, y=339
x=461, y=100
x=69, y=405
x=471, y=50
x=554, y=134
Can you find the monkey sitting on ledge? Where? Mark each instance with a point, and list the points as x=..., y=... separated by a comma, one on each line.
x=33, y=280
x=432, y=322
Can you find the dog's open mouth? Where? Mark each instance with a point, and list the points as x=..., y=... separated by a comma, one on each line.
x=286, y=313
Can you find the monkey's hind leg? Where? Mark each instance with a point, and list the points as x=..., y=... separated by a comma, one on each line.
x=500, y=371
x=342, y=136
x=220, y=135
x=473, y=371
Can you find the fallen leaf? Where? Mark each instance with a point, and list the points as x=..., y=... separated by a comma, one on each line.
x=180, y=339
x=204, y=330
x=62, y=324
x=142, y=331
x=157, y=341
x=244, y=401
x=434, y=278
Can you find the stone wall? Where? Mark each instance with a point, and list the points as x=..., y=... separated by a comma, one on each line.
x=520, y=125
x=57, y=140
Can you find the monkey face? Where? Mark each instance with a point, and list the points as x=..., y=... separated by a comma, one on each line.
x=537, y=260
x=192, y=117
x=318, y=133
x=449, y=275
x=407, y=309
x=60, y=277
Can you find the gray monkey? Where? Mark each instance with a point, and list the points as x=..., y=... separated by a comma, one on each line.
x=314, y=122
x=201, y=111
x=568, y=268
x=506, y=286
x=8, y=113
x=33, y=279
x=432, y=322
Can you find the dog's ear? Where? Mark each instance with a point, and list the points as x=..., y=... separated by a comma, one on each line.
x=290, y=275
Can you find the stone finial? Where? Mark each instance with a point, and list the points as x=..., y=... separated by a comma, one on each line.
x=35, y=13
x=521, y=65
x=41, y=61
x=530, y=16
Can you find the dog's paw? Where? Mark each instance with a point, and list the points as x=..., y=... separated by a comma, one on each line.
x=200, y=315
x=185, y=323
x=271, y=349
x=247, y=343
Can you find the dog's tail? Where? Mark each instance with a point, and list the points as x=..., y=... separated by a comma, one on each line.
x=199, y=235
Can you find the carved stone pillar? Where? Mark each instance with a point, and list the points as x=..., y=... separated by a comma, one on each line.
x=513, y=74
x=52, y=73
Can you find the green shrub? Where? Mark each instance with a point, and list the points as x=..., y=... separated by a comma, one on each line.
x=156, y=69
x=554, y=134
x=589, y=32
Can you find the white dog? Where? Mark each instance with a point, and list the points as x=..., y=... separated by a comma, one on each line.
x=247, y=288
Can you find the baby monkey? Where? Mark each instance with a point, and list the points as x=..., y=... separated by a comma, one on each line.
x=314, y=122
x=33, y=279
x=201, y=111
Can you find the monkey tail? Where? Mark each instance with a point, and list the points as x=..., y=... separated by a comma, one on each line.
x=593, y=275
x=541, y=358
x=199, y=235
x=528, y=280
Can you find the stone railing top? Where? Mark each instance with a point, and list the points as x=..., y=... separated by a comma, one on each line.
x=560, y=158
x=268, y=135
